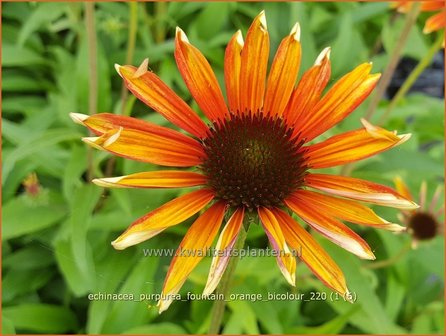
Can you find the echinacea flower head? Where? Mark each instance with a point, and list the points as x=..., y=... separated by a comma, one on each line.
x=426, y=222
x=251, y=156
x=435, y=22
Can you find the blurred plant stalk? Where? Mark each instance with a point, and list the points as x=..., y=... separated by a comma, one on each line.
x=416, y=72
x=93, y=78
x=131, y=42
x=395, y=57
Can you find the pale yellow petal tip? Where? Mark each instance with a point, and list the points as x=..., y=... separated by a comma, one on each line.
x=262, y=20
x=395, y=227
x=179, y=33
x=118, y=69
x=239, y=38
x=107, y=182
x=142, y=69
x=295, y=32
x=92, y=141
x=113, y=138
x=163, y=305
x=78, y=118
x=324, y=54
x=118, y=244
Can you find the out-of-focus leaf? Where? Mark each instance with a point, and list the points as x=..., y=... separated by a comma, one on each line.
x=21, y=216
x=16, y=283
x=15, y=55
x=29, y=258
x=7, y=326
x=42, y=318
x=163, y=328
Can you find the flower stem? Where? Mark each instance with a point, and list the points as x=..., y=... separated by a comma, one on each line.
x=421, y=66
x=218, y=308
x=93, y=74
x=392, y=260
x=395, y=56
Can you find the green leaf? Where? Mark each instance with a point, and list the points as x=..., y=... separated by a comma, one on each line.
x=7, y=326
x=21, y=216
x=163, y=328
x=16, y=283
x=29, y=258
x=14, y=55
x=42, y=318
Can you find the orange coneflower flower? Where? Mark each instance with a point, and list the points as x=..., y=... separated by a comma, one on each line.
x=425, y=223
x=435, y=22
x=253, y=156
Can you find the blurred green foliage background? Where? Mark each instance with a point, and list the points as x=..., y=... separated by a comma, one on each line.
x=56, y=243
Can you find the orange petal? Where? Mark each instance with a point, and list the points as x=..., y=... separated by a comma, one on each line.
x=199, y=78
x=309, y=88
x=162, y=148
x=154, y=179
x=359, y=190
x=232, y=66
x=152, y=91
x=339, y=102
x=285, y=258
x=402, y=188
x=351, y=211
x=352, y=146
x=193, y=248
x=311, y=253
x=283, y=73
x=331, y=228
x=223, y=250
x=167, y=215
x=435, y=22
x=432, y=5
x=254, y=64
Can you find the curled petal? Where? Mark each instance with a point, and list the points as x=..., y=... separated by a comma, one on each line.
x=199, y=78
x=223, y=249
x=351, y=211
x=283, y=73
x=169, y=214
x=254, y=64
x=152, y=91
x=358, y=189
x=311, y=253
x=232, y=66
x=402, y=188
x=338, y=102
x=167, y=148
x=193, y=248
x=285, y=258
x=309, y=88
x=331, y=228
x=154, y=179
x=352, y=146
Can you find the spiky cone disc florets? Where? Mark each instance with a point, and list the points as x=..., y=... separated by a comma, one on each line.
x=253, y=160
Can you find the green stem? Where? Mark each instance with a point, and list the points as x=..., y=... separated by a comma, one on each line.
x=422, y=65
x=93, y=74
x=392, y=260
x=218, y=308
x=395, y=56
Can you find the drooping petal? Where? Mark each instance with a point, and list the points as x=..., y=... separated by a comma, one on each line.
x=311, y=253
x=167, y=148
x=432, y=5
x=358, y=189
x=343, y=209
x=338, y=102
x=352, y=146
x=154, y=179
x=435, y=22
x=309, y=89
x=283, y=73
x=167, y=215
x=152, y=91
x=223, y=250
x=402, y=188
x=254, y=64
x=285, y=258
x=232, y=67
x=199, y=78
x=331, y=228
x=193, y=248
